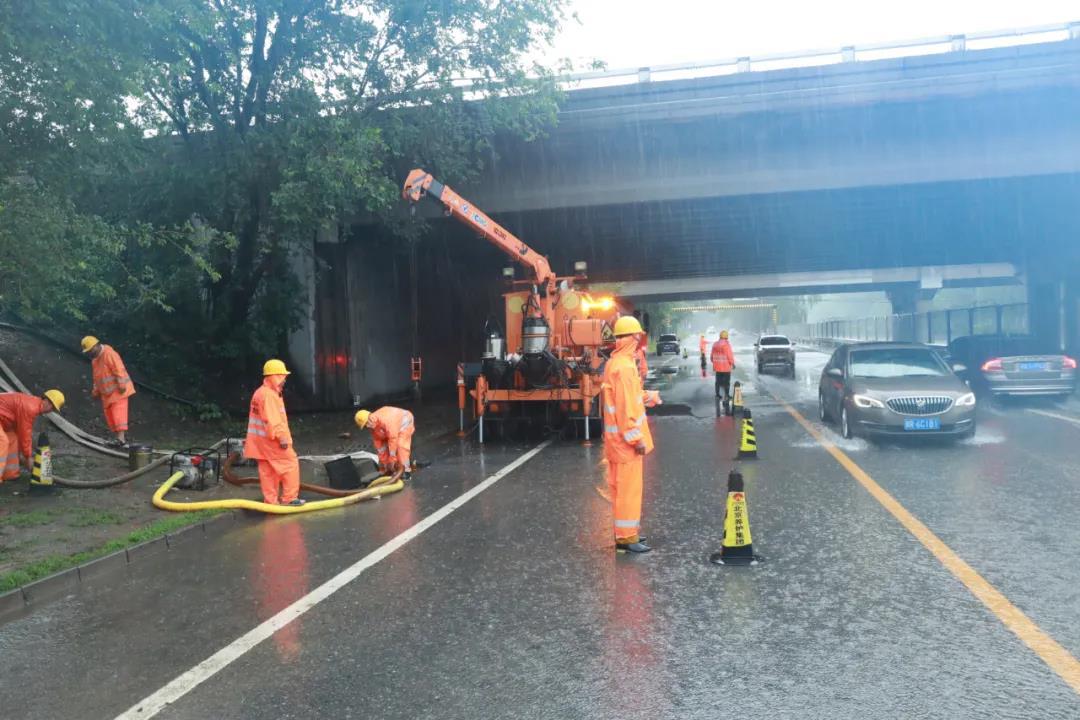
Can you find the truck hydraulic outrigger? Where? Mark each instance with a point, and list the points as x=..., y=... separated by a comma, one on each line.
x=554, y=332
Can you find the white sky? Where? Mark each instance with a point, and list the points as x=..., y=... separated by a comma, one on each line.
x=633, y=33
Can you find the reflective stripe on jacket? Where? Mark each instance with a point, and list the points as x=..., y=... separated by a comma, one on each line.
x=268, y=424
x=111, y=380
x=723, y=359
x=622, y=404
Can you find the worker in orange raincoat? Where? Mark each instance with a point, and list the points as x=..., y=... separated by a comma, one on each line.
x=626, y=435
x=17, y=414
x=723, y=361
x=392, y=431
x=269, y=441
x=111, y=384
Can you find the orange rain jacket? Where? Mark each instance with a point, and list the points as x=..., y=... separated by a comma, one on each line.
x=625, y=425
x=111, y=380
x=17, y=414
x=268, y=424
x=723, y=358
x=390, y=424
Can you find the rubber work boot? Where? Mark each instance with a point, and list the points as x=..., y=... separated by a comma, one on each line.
x=297, y=502
x=634, y=547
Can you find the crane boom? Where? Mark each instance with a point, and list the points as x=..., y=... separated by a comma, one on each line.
x=420, y=183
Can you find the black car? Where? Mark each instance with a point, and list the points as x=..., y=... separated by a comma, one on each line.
x=667, y=344
x=775, y=351
x=1014, y=365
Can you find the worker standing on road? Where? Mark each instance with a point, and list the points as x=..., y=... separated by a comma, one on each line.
x=17, y=414
x=392, y=431
x=723, y=360
x=269, y=441
x=626, y=435
x=111, y=384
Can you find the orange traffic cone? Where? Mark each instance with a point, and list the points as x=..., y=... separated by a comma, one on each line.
x=737, y=546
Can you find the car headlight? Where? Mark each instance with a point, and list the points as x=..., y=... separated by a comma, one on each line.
x=864, y=401
x=966, y=400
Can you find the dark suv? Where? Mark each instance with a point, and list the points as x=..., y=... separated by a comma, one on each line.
x=775, y=351
x=667, y=344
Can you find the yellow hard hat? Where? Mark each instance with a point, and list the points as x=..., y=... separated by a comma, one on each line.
x=274, y=367
x=362, y=417
x=88, y=343
x=723, y=335
x=627, y=325
x=56, y=398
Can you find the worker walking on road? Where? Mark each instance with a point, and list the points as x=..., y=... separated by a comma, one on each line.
x=17, y=414
x=392, y=431
x=269, y=441
x=626, y=436
x=111, y=384
x=723, y=360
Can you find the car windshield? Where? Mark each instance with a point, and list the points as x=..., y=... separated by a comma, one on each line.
x=667, y=338
x=896, y=363
x=774, y=340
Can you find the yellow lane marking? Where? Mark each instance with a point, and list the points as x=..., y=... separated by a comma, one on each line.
x=1052, y=653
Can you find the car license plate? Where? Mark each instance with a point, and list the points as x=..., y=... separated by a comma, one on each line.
x=1034, y=366
x=916, y=424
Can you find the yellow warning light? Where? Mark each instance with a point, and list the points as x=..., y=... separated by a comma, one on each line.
x=591, y=303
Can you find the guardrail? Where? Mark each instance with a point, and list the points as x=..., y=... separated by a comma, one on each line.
x=814, y=58
x=939, y=327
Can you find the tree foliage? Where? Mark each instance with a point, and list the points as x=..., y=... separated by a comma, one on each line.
x=186, y=148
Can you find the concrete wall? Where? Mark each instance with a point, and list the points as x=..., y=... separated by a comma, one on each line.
x=358, y=343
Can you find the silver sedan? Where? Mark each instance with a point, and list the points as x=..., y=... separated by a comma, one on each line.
x=900, y=389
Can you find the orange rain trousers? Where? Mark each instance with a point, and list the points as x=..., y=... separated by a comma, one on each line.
x=116, y=415
x=9, y=456
x=624, y=485
x=279, y=475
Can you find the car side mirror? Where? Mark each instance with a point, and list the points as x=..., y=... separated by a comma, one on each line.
x=757, y=345
x=793, y=344
x=959, y=368
x=835, y=372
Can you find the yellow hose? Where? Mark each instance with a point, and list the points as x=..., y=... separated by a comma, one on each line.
x=242, y=504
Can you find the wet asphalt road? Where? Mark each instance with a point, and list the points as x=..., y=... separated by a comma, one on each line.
x=515, y=605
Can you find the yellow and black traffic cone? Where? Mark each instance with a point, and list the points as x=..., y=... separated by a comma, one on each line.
x=41, y=479
x=736, y=399
x=737, y=546
x=748, y=439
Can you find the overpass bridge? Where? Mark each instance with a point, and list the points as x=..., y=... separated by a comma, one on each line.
x=965, y=157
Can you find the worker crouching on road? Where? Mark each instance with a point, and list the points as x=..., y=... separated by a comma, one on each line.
x=723, y=361
x=269, y=441
x=626, y=435
x=392, y=431
x=111, y=384
x=17, y=414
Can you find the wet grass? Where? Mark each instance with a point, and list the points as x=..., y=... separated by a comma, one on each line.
x=89, y=517
x=55, y=563
x=28, y=519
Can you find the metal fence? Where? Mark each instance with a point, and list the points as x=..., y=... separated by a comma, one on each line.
x=939, y=327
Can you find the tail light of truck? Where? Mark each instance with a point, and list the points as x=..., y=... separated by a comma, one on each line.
x=1068, y=363
x=993, y=365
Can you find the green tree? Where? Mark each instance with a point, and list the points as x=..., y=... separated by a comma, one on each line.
x=180, y=150
x=298, y=114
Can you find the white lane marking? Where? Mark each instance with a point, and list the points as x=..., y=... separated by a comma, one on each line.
x=1047, y=413
x=183, y=684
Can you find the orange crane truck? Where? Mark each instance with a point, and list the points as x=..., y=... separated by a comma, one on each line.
x=554, y=331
